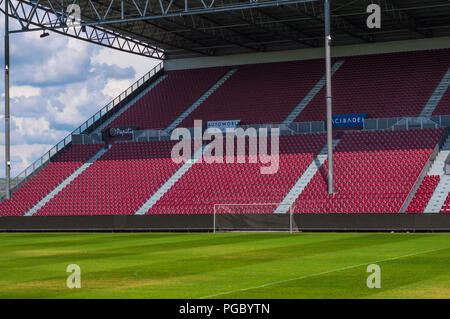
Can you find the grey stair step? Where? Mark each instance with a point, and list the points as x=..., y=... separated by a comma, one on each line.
x=439, y=195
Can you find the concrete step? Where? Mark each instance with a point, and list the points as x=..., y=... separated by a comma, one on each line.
x=439, y=196
x=440, y=193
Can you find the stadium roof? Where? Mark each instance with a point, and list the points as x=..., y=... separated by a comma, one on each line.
x=289, y=25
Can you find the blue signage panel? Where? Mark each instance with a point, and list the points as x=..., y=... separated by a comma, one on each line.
x=349, y=120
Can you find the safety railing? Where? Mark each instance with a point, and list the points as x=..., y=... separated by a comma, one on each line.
x=25, y=174
x=407, y=123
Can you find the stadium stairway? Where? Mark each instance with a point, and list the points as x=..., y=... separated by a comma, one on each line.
x=301, y=183
x=310, y=95
x=126, y=107
x=202, y=98
x=441, y=192
x=437, y=95
x=64, y=183
x=169, y=183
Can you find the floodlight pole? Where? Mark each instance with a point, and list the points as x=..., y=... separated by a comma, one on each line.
x=329, y=97
x=7, y=127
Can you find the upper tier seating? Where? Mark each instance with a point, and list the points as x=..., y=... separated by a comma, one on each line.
x=443, y=107
x=259, y=93
x=446, y=207
x=47, y=179
x=206, y=184
x=383, y=86
x=423, y=194
x=118, y=183
x=373, y=172
x=165, y=102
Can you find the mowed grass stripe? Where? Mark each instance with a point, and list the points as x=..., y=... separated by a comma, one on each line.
x=164, y=262
x=334, y=276
x=192, y=265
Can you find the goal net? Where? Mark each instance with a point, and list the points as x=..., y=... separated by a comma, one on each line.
x=253, y=217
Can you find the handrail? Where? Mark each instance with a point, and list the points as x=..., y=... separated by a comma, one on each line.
x=22, y=176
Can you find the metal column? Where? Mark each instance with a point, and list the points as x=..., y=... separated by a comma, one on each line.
x=329, y=98
x=7, y=127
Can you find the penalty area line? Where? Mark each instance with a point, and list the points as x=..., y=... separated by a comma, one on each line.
x=321, y=273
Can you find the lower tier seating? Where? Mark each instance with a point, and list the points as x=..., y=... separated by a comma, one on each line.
x=240, y=183
x=423, y=194
x=38, y=186
x=118, y=183
x=373, y=172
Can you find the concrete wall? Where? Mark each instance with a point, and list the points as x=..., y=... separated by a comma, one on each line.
x=204, y=222
x=305, y=54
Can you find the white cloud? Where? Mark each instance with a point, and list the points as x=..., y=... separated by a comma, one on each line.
x=40, y=127
x=23, y=91
x=121, y=59
x=115, y=87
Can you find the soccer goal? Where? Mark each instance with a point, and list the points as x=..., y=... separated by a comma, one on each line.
x=274, y=217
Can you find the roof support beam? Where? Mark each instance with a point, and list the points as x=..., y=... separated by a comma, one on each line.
x=132, y=12
x=314, y=11
x=209, y=27
x=165, y=38
x=105, y=19
x=265, y=21
x=29, y=15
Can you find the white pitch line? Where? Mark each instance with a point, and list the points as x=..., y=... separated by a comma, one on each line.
x=321, y=273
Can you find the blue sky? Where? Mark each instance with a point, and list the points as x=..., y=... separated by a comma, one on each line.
x=57, y=83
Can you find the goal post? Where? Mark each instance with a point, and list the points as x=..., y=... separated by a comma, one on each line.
x=253, y=217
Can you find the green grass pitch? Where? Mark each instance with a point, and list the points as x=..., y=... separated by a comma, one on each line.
x=225, y=265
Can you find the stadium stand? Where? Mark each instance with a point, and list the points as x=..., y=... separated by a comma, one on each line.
x=118, y=182
x=423, y=194
x=161, y=105
x=259, y=93
x=206, y=184
x=47, y=179
x=373, y=172
x=383, y=86
x=446, y=207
